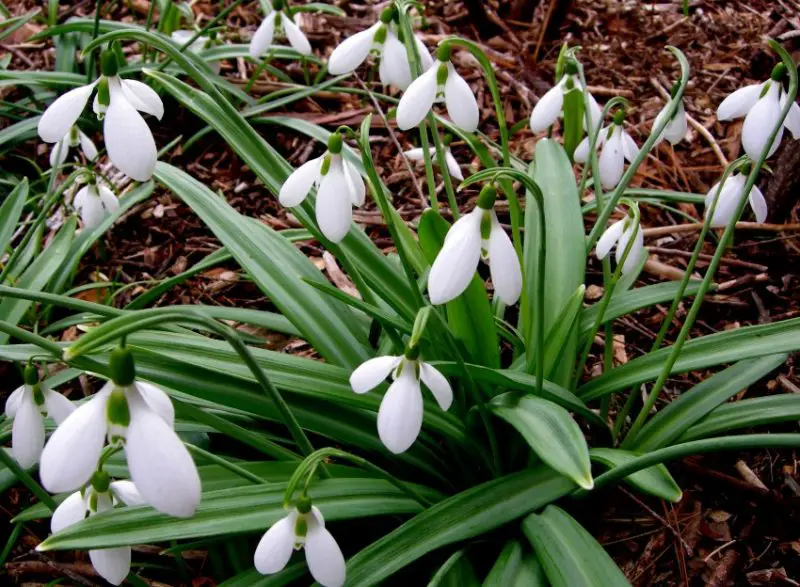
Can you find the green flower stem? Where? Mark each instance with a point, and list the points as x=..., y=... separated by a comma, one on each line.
x=95, y=32
x=147, y=24
x=257, y=72
x=27, y=480
x=11, y=542
x=443, y=169
x=720, y=251
x=226, y=464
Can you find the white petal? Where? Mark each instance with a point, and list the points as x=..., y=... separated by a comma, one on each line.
x=394, y=68
x=504, y=265
x=739, y=102
x=58, y=153
x=417, y=154
x=352, y=51
x=62, y=114
x=70, y=511
x=675, y=131
x=181, y=36
x=452, y=165
x=142, y=97
x=126, y=492
x=548, y=108
x=461, y=103
x=455, y=265
x=108, y=200
x=27, y=433
x=595, y=113
x=637, y=248
x=158, y=401
x=369, y=374
x=129, y=142
x=58, y=407
x=296, y=37
x=275, y=548
x=629, y=148
x=425, y=57
x=159, y=463
x=758, y=204
x=113, y=564
x=70, y=456
x=87, y=146
x=417, y=100
x=612, y=160
x=609, y=239
x=438, y=384
x=792, y=120
x=400, y=413
x=727, y=201
x=334, y=206
x=324, y=557
x=581, y=154
x=12, y=403
x=263, y=37
x=89, y=206
x=759, y=123
x=296, y=187
x=355, y=184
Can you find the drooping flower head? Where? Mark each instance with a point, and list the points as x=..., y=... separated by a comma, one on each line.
x=441, y=83
x=303, y=527
x=93, y=202
x=619, y=234
x=276, y=23
x=128, y=139
x=676, y=128
x=761, y=106
x=73, y=138
x=380, y=40
x=730, y=195
x=475, y=236
x=339, y=188
x=615, y=146
x=551, y=106
x=139, y=416
x=417, y=154
x=28, y=406
x=100, y=495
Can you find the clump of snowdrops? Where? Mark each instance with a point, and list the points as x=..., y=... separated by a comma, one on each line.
x=444, y=405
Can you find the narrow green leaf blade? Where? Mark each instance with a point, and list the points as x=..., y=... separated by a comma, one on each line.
x=655, y=480
x=516, y=567
x=10, y=212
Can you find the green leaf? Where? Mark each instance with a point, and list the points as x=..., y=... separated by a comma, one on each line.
x=568, y=553
x=253, y=578
x=516, y=567
x=327, y=323
x=551, y=433
x=457, y=571
x=470, y=513
x=10, y=212
x=706, y=351
x=573, y=121
x=469, y=315
x=655, y=480
x=693, y=405
x=566, y=251
x=562, y=331
x=19, y=131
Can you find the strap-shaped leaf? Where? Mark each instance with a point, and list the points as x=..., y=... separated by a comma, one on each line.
x=10, y=211
x=516, y=566
x=654, y=480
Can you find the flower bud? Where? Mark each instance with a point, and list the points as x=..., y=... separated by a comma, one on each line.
x=571, y=68
x=30, y=375
x=778, y=72
x=122, y=367
x=443, y=54
x=108, y=63
x=412, y=352
x=619, y=117
x=388, y=15
x=487, y=197
x=303, y=504
x=335, y=143
x=277, y=5
x=100, y=481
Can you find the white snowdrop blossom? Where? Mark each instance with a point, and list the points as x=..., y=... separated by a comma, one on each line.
x=200, y=44
x=339, y=188
x=28, y=406
x=475, y=236
x=93, y=202
x=303, y=527
x=615, y=146
x=551, y=106
x=113, y=564
x=418, y=154
x=761, y=106
x=730, y=195
x=276, y=23
x=73, y=138
x=400, y=412
x=676, y=128
x=128, y=139
x=441, y=83
x=620, y=234
x=381, y=41
x=141, y=417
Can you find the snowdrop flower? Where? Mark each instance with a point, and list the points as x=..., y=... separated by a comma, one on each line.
x=730, y=195
x=113, y=564
x=381, y=41
x=92, y=202
x=128, y=139
x=441, y=83
x=761, y=105
x=620, y=234
x=28, y=406
x=339, y=188
x=615, y=146
x=400, y=413
x=73, y=138
x=417, y=154
x=550, y=106
x=303, y=527
x=276, y=21
x=676, y=128
x=141, y=417
x=200, y=44
x=476, y=235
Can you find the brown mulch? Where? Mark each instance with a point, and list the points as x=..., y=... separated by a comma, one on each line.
x=737, y=523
